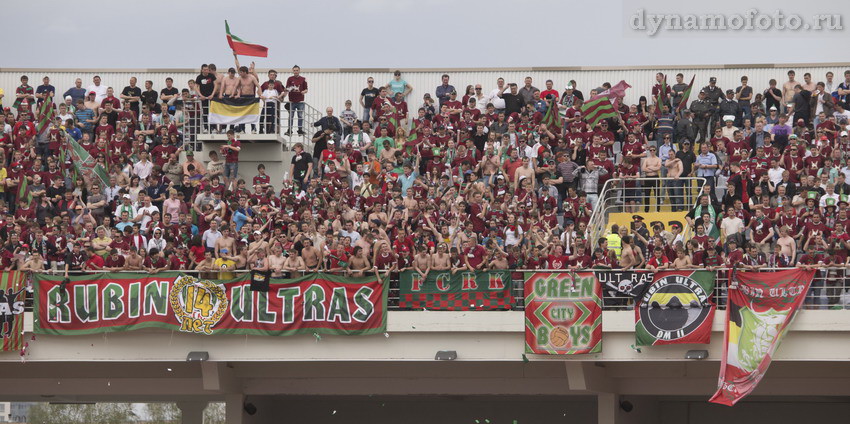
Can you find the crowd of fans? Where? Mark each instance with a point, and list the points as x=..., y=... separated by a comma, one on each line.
x=471, y=179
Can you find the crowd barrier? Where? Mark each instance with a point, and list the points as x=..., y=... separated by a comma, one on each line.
x=830, y=288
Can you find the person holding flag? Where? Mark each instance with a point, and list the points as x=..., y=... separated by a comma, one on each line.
x=661, y=92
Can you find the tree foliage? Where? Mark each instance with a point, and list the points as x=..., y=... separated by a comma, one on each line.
x=100, y=413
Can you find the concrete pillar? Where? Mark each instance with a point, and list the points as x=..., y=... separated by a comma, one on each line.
x=233, y=404
x=607, y=408
x=192, y=412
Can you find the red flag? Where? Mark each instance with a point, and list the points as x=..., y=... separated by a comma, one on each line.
x=759, y=313
x=242, y=47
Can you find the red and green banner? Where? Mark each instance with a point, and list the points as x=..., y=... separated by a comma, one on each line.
x=242, y=47
x=759, y=313
x=461, y=291
x=597, y=109
x=553, y=119
x=563, y=313
x=12, y=296
x=315, y=303
x=677, y=307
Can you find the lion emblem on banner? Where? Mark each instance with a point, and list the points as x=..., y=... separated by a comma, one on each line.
x=198, y=304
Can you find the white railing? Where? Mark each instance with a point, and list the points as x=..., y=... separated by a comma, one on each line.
x=675, y=194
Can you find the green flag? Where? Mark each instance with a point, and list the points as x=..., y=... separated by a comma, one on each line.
x=86, y=165
x=24, y=191
x=685, y=95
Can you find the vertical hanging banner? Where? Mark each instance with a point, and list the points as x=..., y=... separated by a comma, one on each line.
x=563, y=313
x=677, y=307
x=759, y=313
x=12, y=286
x=315, y=303
x=462, y=291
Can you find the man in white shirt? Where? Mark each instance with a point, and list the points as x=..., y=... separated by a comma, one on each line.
x=731, y=224
x=99, y=90
x=145, y=212
x=775, y=172
x=494, y=96
x=211, y=236
x=350, y=232
x=143, y=167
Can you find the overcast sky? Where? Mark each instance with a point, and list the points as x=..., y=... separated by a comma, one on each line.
x=401, y=33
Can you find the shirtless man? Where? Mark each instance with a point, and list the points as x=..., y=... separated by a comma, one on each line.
x=630, y=256
x=294, y=263
x=229, y=85
x=276, y=261
x=365, y=243
x=312, y=256
x=133, y=261
x=35, y=263
x=226, y=241
x=422, y=263
x=248, y=85
x=524, y=171
x=682, y=261
x=206, y=266
x=441, y=261
x=358, y=263
x=788, y=244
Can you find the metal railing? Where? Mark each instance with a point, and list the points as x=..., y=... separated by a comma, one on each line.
x=830, y=288
x=274, y=118
x=642, y=195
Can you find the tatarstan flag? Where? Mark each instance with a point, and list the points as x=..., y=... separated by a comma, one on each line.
x=13, y=283
x=597, y=110
x=244, y=48
x=684, y=102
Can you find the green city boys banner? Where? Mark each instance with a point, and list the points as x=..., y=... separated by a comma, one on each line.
x=462, y=291
x=315, y=303
x=563, y=313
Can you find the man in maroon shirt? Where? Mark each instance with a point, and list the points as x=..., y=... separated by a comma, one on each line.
x=296, y=85
x=230, y=151
x=473, y=255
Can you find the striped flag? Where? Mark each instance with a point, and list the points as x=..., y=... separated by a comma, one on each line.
x=242, y=47
x=86, y=165
x=553, y=119
x=24, y=190
x=235, y=111
x=597, y=110
x=13, y=283
x=684, y=102
x=46, y=113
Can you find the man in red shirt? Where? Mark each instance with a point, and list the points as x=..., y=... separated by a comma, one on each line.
x=473, y=255
x=230, y=151
x=296, y=86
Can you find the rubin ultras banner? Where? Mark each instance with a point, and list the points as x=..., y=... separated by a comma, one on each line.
x=677, y=307
x=759, y=313
x=315, y=303
x=563, y=313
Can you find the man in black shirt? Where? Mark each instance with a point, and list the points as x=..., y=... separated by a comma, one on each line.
x=801, y=101
x=513, y=101
x=301, y=166
x=687, y=156
x=149, y=96
x=367, y=96
x=133, y=94
x=205, y=82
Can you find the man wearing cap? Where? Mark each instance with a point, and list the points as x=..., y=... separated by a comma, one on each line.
x=702, y=111
x=713, y=94
x=729, y=108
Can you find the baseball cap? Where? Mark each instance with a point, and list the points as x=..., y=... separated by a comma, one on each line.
x=712, y=79
x=844, y=133
x=126, y=196
x=190, y=153
x=224, y=250
x=92, y=92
